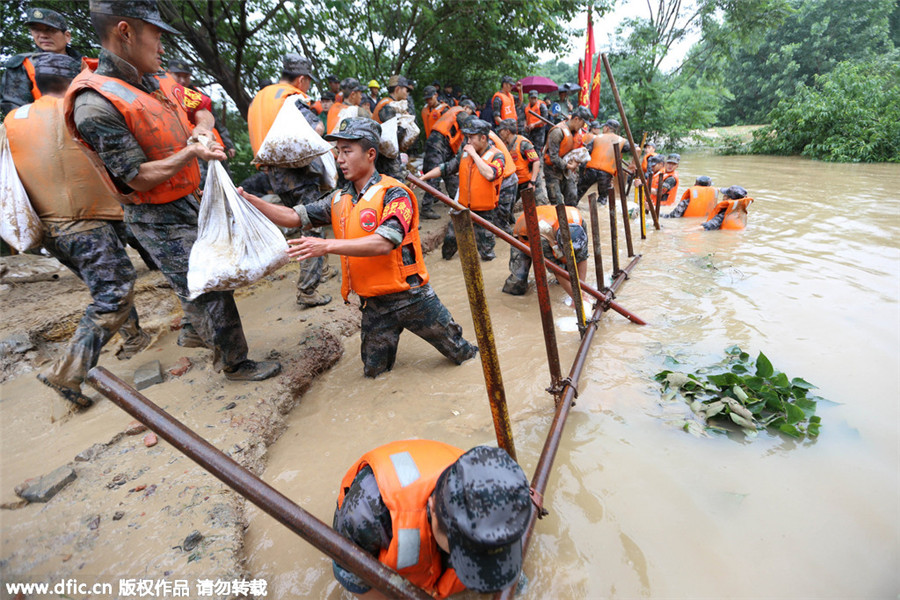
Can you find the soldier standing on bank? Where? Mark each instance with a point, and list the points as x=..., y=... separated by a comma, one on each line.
x=144, y=140
x=441, y=146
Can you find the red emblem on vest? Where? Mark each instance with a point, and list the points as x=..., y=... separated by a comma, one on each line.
x=368, y=219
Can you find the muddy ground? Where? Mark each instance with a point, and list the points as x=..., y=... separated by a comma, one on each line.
x=131, y=511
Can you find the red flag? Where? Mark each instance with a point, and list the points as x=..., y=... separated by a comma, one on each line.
x=595, y=89
x=588, y=60
x=582, y=80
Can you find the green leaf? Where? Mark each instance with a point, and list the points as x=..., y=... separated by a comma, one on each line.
x=739, y=393
x=763, y=366
x=780, y=381
x=755, y=383
x=794, y=414
x=739, y=368
x=733, y=350
x=742, y=421
x=790, y=430
x=802, y=384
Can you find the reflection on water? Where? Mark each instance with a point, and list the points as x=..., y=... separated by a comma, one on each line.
x=638, y=508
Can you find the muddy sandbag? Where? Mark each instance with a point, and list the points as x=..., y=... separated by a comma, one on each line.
x=20, y=226
x=236, y=244
x=579, y=155
x=347, y=112
x=389, y=145
x=330, y=176
x=291, y=141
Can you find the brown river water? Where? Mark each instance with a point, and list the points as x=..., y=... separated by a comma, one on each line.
x=638, y=507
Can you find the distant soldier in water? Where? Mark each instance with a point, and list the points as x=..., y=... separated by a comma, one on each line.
x=731, y=213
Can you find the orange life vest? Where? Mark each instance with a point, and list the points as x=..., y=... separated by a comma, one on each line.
x=188, y=98
x=158, y=122
x=735, y=213
x=568, y=143
x=702, y=200
x=29, y=70
x=523, y=165
x=406, y=473
x=264, y=109
x=644, y=161
x=381, y=104
x=531, y=119
x=603, y=158
x=431, y=115
x=61, y=180
x=547, y=214
x=507, y=107
x=509, y=166
x=475, y=191
x=375, y=275
x=672, y=195
x=448, y=127
x=332, y=118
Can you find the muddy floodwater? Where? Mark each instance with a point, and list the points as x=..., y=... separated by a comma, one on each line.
x=638, y=507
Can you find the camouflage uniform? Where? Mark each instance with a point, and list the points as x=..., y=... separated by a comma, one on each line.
x=438, y=151
x=561, y=183
x=167, y=231
x=539, y=134
x=384, y=318
x=520, y=263
x=509, y=191
x=392, y=167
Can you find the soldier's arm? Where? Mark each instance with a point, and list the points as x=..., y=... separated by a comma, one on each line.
x=531, y=155
x=15, y=86
x=553, y=141
x=283, y=216
x=497, y=106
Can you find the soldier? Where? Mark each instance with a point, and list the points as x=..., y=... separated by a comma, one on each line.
x=665, y=185
x=351, y=91
x=182, y=73
x=293, y=185
x=433, y=110
x=376, y=228
x=467, y=513
x=503, y=104
x=535, y=128
x=730, y=213
x=524, y=155
x=82, y=221
x=601, y=168
x=697, y=201
x=562, y=108
x=398, y=91
x=143, y=140
x=334, y=86
x=441, y=146
x=561, y=174
x=551, y=247
x=50, y=33
x=480, y=164
x=325, y=104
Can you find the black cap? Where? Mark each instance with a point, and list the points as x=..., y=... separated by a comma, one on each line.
x=47, y=17
x=329, y=95
x=509, y=125
x=332, y=78
x=179, y=66
x=429, y=91
x=297, y=65
x=59, y=65
x=350, y=85
x=144, y=10
x=703, y=180
x=734, y=192
x=483, y=502
x=612, y=124
x=583, y=113
x=357, y=128
x=507, y=79
x=476, y=127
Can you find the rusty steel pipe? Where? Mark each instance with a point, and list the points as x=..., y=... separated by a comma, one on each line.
x=595, y=238
x=554, y=437
x=620, y=178
x=563, y=220
x=636, y=152
x=253, y=488
x=613, y=229
x=543, y=289
x=559, y=272
x=484, y=332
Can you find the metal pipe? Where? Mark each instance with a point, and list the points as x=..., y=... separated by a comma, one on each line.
x=562, y=219
x=559, y=272
x=640, y=192
x=595, y=239
x=254, y=489
x=636, y=152
x=543, y=290
x=620, y=178
x=484, y=332
x=613, y=229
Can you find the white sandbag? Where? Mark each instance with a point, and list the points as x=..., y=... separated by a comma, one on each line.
x=291, y=141
x=389, y=145
x=345, y=113
x=20, y=226
x=236, y=244
x=408, y=131
x=331, y=170
x=401, y=107
x=579, y=155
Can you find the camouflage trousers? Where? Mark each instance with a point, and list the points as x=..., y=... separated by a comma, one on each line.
x=509, y=191
x=98, y=258
x=561, y=188
x=601, y=178
x=537, y=137
x=420, y=311
x=520, y=264
x=438, y=151
x=484, y=239
x=214, y=315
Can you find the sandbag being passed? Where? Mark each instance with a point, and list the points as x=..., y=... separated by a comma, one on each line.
x=348, y=112
x=291, y=141
x=236, y=244
x=20, y=226
x=389, y=145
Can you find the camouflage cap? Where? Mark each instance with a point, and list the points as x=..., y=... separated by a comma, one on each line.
x=673, y=158
x=704, y=180
x=468, y=104
x=594, y=125
x=507, y=79
x=59, y=65
x=483, y=502
x=398, y=81
x=329, y=95
x=508, y=125
x=583, y=113
x=332, y=78
x=47, y=17
x=429, y=91
x=734, y=192
x=144, y=10
x=656, y=159
x=297, y=65
x=612, y=124
x=179, y=66
x=350, y=85
x=476, y=127
x=533, y=94
x=579, y=238
x=357, y=128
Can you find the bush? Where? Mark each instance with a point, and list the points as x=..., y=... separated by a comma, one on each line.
x=851, y=114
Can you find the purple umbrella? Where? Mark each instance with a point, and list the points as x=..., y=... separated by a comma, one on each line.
x=544, y=85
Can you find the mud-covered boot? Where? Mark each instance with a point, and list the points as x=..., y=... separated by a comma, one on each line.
x=251, y=370
x=514, y=286
x=312, y=299
x=79, y=401
x=189, y=338
x=429, y=213
x=133, y=345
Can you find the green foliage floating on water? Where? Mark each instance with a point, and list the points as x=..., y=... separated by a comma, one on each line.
x=750, y=394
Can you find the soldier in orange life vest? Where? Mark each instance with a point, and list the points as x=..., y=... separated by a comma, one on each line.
x=433, y=110
x=551, y=245
x=441, y=146
x=601, y=169
x=649, y=150
x=301, y=185
x=445, y=520
x=398, y=91
x=50, y=33
x=535, y=128
x=481, y=165
x=376, y=229
x=503, y=104
x=666, y=182
x=334, y=85
x=82, y=222
x=351, y=90
x=143, y=138
x=182, y=73
x=697, y=201
x=560, y=174
x=731, y=213
x=527, y=165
